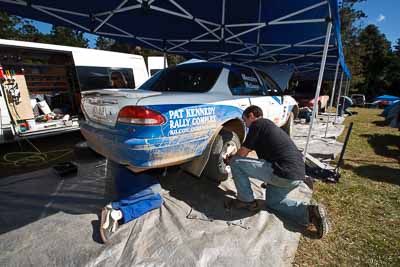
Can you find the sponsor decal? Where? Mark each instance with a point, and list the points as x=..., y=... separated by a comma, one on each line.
x=191, y=119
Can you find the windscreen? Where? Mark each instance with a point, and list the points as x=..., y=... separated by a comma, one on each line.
x=196, y=78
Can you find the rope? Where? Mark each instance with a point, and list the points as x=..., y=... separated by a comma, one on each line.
x=37, y=158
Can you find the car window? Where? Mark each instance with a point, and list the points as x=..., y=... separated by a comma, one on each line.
x=243, y=81
x=184, y=79
x=270, y=86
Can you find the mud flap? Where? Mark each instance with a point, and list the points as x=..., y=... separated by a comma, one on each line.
x=196, y=166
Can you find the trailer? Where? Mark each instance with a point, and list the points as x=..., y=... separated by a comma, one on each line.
x=41, y=85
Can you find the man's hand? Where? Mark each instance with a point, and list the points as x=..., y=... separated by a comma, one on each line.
x=227, y=159
x=242, y=152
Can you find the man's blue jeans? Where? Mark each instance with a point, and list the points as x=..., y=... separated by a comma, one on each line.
x=277, y=188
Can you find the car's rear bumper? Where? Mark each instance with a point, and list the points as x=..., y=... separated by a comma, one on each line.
x=144, y=153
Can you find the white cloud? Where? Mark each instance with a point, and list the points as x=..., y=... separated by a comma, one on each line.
x=381, y=18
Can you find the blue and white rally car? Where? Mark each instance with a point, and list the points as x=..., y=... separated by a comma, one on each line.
x=190, y=113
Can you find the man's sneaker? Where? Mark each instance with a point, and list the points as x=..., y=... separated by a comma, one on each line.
x=253, y=206
x=109, y=222
x=319, y=218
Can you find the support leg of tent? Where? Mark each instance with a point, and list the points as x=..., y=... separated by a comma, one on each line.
x=338, y=97
x=344, y=94
x=334, y=84
x=332, y=95
x=165, y=60
x=348, y=87
x=321, y=74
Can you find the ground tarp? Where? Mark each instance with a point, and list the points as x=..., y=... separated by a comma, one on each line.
x=47, y=221
x=323, y=143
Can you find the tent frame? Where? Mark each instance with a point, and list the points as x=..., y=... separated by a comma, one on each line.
x=211, y=28
x=320, y=77
x=215, y=32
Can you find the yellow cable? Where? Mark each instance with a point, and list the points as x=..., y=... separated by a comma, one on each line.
x=33, y=158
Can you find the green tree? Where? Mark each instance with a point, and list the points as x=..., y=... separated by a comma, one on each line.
x=28, y=32
x=8, y=26
x=350, y=29
x=397, y=48
x=393, y=74
x=374, y=59
x=104, y=43
x=16, y=28
x=67, y=36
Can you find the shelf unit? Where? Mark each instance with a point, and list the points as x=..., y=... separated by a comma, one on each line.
x=55, y=79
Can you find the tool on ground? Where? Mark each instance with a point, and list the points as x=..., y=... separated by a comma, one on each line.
x=238, y=223
x=325, y=174
x=65, y=169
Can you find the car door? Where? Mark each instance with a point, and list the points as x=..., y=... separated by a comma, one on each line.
x=244, y=86
x=274, y=100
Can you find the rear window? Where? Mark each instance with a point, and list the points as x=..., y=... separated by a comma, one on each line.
x=183, y=79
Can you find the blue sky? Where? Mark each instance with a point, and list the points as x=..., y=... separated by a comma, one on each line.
x=383, y=13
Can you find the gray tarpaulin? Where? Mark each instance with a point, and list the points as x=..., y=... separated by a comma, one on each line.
x=48, y=221
x=319, y=146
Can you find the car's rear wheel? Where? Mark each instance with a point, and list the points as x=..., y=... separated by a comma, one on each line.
x=288, y=126
x=225, y=144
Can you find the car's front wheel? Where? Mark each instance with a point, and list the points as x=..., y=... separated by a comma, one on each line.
x=225, y=144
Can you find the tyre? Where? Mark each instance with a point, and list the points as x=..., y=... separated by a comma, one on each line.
x=288, y=126
x=226, y=143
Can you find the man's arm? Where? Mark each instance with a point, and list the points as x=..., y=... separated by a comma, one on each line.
x=243, y=151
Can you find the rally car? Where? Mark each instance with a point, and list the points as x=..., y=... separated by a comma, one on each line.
x=190, y=113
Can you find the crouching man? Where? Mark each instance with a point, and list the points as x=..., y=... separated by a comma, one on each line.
x=280, y=165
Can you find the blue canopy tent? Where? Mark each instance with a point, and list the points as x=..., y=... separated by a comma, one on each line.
x=254, y=32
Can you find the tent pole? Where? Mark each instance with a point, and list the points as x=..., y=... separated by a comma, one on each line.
x=165, y=60
x=334, y=84
x=321, y=74
x=332, y=96
x=345, y=94
x=338, y=97
x=348, y=87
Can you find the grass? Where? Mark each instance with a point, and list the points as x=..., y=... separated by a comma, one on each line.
x=364, y=207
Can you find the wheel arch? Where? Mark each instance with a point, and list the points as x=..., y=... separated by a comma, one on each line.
x=196, y=166
x=236, y=125
x=295, y=111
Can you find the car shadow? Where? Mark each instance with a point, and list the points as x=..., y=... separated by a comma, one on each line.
x=206, y=199
x=202, y=195
x=33, y=196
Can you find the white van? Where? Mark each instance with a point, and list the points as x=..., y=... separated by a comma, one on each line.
x=155, y=64
x=40, y=84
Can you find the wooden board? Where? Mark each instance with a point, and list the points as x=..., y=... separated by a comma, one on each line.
x=22, y=110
